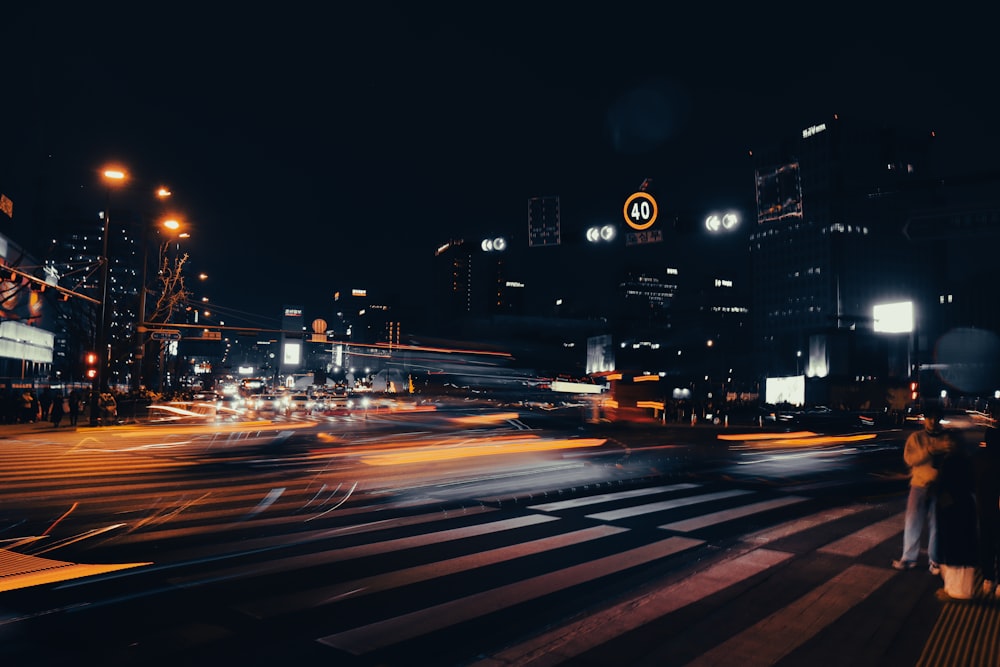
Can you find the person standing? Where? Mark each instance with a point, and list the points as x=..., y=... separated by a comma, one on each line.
x=74, y=407
x=922, y=451
x=57, y=409
x=987, y=484
x=957, y=536
x=45, y=401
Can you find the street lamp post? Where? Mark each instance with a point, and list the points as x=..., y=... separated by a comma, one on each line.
x=140, y=351
x=101, y=345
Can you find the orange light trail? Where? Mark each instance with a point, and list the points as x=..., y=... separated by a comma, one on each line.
x=810, y=441
x=428, y=455
x=767, y=436
x=486, y=419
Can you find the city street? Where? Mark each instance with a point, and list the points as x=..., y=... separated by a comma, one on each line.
x=456, y=537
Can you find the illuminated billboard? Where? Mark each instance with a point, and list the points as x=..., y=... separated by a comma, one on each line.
x=779, y=193
x=791, y=390
x=893, y=317
x=292, y=353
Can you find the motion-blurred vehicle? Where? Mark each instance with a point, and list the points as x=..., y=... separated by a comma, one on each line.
x=194, y=412
x=748, y=415
x=265, y=405
x=955, y=418
x=298, y=404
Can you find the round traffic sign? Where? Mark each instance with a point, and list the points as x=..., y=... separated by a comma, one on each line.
x=640, y=211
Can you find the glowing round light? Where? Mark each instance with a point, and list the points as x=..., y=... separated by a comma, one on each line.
x=602, y=233
x=727, y=221
x=498, y=244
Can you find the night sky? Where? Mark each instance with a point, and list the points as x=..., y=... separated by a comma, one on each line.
x=317, y=150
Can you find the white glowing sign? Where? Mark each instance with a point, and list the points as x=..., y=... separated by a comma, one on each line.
x=293, y=353
x=791, y=390
x=815, y=129
x=893, y=317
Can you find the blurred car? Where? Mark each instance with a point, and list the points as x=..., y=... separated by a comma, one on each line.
x=299, y=404
x=748, y=415
x=265, y=405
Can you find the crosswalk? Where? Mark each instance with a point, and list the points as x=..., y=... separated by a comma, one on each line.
x=382, y=590
x=593, y=576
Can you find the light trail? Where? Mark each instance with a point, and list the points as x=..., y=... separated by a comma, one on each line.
x=428, y=455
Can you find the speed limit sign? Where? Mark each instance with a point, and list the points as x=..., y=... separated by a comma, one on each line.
x=640, y=211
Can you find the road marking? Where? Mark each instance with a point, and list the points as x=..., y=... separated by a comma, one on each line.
x=771, y=639
x=316, y=597
x=608, y=497
x=639, y=510
x=22, y=571
x=781, y=531
x=368, y=549
x=722, y=516
x=576, y=638
x=390, y=631
x=867, y=538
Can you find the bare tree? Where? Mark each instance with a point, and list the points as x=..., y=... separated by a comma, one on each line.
x=173, y=294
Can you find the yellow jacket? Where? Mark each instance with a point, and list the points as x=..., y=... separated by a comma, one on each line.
x=919, y=452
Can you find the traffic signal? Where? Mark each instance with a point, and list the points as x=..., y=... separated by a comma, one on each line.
x=90, y=362
x=914, y=391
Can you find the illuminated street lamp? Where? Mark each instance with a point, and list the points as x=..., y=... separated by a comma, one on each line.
x=717, y=223
x=113, y=177
x=170, y=224
x=605, y=233
x=498, y=244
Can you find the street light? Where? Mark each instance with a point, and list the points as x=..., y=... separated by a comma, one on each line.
x=716, y=222
x=162, y=194
x=172, y=225
x=605, y=233
x=113, y=176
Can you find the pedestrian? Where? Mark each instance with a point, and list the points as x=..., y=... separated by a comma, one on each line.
x=45, y=402
x=957, y=523
x=109, y=408
x=57, y=409
x=25, y=406
x=922, y=451
x=74, y=407
x=987, y=484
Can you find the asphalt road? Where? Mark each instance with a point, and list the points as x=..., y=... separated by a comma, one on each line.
x=453, y=537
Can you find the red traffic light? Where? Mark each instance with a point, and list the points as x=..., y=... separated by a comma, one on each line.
x=90, y=359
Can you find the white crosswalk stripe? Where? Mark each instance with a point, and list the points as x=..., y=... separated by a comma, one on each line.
x=351, y=577
x=548, y=528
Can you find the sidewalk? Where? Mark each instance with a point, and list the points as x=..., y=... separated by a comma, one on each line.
x=38, y=428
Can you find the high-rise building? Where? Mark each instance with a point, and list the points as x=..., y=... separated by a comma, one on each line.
x=474, y=281
x=828, y=243
x=76, y=257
